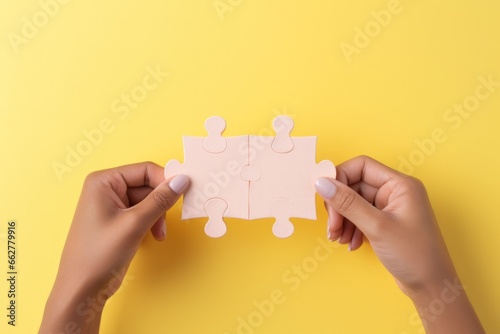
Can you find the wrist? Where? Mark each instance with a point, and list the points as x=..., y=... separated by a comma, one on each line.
x=443, y=291
x=444, y=307
x=72, y=309
x=431, y=282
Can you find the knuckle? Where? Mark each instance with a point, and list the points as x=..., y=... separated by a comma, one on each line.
x=345, y=200
x=162, y=200
x=414, y=184
x=417, y=183
x=363, y=157
x=149, y=164
x=93, y=178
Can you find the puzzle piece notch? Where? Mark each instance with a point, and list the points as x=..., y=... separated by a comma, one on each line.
x=283, y=126
x=215, y=142
x=282, y=210
x=215, y=209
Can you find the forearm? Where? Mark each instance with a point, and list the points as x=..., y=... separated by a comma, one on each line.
x=445, y=308
x=66, y=312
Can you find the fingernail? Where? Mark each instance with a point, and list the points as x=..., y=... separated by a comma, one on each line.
x=329, y=234
x=325, y=188
x=179, y=184
x=164, y=230
x=349, y=248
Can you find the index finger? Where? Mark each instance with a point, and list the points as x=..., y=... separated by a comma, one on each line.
x=143, y=174
x=367, y=170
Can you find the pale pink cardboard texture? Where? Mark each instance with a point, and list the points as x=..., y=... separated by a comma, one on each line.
x=250, y=177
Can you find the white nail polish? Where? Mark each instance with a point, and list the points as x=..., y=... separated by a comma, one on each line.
x=325, y=188
x=179, y=184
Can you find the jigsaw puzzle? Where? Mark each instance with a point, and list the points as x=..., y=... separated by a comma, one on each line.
x=250, y=177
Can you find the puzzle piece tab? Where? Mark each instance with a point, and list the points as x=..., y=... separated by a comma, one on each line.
x=250, y=177
x=282, y=209
x=215, y=143
x=283, y=126
x=215, y=209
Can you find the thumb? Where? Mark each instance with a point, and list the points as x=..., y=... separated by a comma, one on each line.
x=348, y=203
x=161, y=199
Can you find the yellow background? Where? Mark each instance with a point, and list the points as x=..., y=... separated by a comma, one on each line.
x=263, y=58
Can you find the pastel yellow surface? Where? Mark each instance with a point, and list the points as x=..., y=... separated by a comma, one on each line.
x=247, y=61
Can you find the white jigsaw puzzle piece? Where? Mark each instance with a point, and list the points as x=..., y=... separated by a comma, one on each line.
x=250, y=177
x=213, y=176
x=291, y=176
x=284, y=176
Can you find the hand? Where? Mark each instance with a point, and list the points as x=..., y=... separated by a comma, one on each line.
x=117, y=208
x=393, y=212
